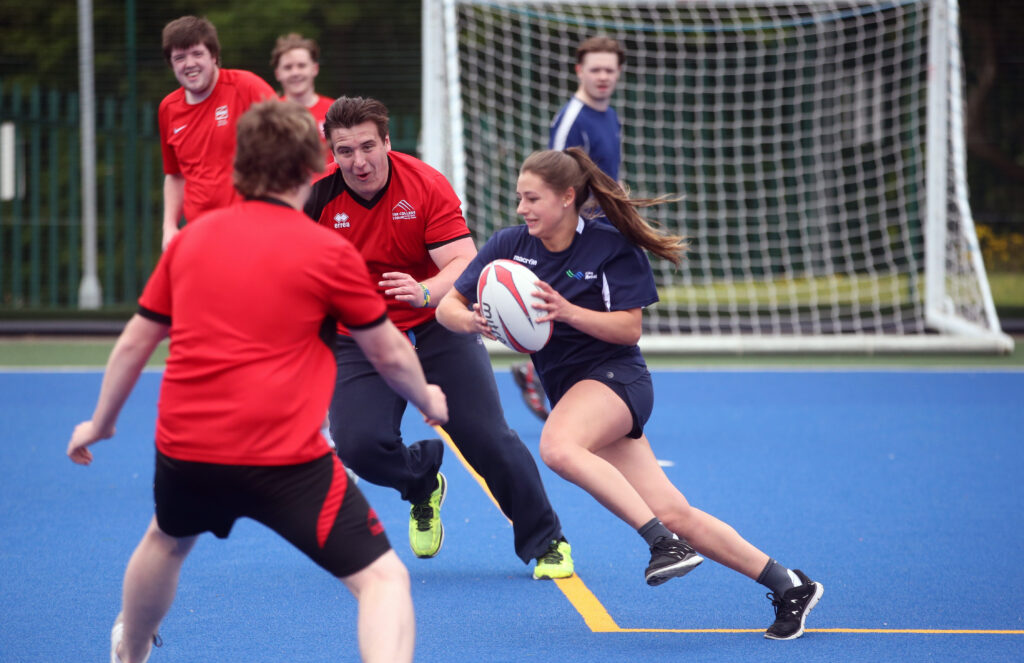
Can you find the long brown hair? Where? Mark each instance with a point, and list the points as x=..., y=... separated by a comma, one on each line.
x=573, y=169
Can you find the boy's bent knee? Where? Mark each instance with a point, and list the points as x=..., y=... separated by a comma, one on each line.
x=386, y=569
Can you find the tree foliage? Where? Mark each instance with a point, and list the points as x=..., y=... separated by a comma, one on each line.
x=369, y=48
x=993, y=33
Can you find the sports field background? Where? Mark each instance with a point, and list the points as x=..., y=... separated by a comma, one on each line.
x=896, y=485
x=92, y=351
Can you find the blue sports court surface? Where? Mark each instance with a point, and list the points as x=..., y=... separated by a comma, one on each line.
x=901, y=491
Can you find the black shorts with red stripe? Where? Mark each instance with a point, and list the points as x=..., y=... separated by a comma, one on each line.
x=311, y=505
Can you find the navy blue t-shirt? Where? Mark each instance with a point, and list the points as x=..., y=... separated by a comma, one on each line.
x=601, y=270
x=599, y=133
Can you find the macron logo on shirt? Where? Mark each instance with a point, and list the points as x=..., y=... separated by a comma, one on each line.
x=402, y=211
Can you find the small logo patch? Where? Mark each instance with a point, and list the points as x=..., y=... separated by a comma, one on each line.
x=403, y=211
x=341, y=221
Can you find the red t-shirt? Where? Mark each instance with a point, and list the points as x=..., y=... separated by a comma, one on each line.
x=246, y=293
x=198, y=140
x=416, y=211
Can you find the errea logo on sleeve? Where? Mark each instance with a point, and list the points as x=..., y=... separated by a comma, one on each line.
x=402, y=211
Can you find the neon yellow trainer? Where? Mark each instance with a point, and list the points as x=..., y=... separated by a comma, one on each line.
x=426, y=533
x=556, y=562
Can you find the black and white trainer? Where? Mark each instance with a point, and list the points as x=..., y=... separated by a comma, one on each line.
x=792, y=609
x=670, y=558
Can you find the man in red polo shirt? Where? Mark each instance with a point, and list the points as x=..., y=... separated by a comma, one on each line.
x=247, y=383
x=197, y=122
x=405, y=219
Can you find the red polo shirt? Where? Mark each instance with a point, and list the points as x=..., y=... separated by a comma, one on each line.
x=416, y=211
x=198, y=140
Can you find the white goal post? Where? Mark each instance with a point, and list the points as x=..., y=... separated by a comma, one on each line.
x=818, y=147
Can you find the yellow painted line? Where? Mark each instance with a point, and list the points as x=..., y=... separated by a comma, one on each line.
x=695, y=630
x=919, y=631
x=593, y=613
x=599, y=620
x=880, y=631
x=581, y=598
x=462, y=459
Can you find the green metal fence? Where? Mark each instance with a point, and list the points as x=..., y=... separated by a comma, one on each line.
x=40, y=197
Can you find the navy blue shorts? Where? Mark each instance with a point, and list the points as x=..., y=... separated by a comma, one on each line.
x=312, y=505
x=630, y=381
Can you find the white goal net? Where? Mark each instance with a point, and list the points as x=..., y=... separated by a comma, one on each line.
x=817, y=146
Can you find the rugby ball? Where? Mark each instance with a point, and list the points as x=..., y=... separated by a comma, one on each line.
x=505, y=293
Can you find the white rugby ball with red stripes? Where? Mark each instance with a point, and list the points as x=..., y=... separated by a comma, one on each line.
x=505, y=293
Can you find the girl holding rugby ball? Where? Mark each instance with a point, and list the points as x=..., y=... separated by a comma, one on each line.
x=585, y=239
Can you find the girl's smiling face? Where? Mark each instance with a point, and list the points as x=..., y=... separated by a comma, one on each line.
x=542, y=208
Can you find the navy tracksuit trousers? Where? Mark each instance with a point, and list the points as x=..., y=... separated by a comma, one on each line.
x=366, y=416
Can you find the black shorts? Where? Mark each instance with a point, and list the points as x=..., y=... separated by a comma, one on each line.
x=311, y=505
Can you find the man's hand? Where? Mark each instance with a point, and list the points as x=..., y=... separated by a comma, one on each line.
x=437, y=412
x=404, y=288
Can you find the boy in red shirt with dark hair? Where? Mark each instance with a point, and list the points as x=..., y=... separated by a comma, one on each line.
x=407, y=222
x=197, y=122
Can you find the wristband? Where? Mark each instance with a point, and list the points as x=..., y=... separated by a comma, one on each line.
x=426, y=296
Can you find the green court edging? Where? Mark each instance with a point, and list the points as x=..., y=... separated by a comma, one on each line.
x=37, y=352
x=41, y=352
